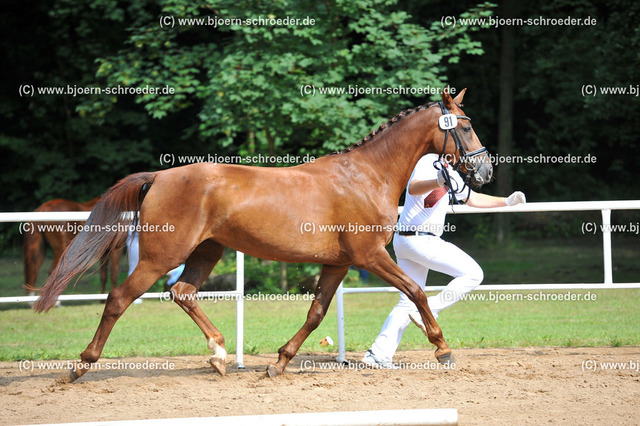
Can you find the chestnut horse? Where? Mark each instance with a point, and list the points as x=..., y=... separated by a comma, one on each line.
x=34, y=246
x=270, y=213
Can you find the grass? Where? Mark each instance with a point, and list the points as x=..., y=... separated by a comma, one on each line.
x=162, y=329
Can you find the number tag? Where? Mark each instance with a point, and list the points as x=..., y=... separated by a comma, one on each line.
x=448, y=121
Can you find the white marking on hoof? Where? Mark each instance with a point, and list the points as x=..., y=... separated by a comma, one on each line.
x=218, y=351
x=218, y=359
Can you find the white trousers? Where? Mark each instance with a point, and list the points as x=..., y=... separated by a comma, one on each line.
x=416, y=255
x=132, y=250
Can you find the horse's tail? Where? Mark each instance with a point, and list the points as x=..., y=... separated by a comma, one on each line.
x=33, y=251
x=105, y=230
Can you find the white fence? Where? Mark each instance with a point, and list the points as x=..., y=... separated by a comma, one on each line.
x=604, y=206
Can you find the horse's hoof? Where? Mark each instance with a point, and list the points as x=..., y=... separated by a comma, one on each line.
x=218, y=365
x=68, y=377
x=273, y=371
x=446, y=358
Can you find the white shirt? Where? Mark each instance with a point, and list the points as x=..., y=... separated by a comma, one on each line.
x=428, y=217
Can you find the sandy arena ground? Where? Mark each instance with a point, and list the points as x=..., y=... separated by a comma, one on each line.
x=488, y=386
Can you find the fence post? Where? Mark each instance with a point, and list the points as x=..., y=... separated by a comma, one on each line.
x=606, y=246
x=240, y=309
x=340, y=308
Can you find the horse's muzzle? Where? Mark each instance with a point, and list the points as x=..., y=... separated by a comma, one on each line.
x=480, y=170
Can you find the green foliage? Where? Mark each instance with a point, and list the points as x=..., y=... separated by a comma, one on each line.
x=266, y=275
x=245, y=79
x=59, y=148
x=235, y=89
x=238, y=88
x=562, y=120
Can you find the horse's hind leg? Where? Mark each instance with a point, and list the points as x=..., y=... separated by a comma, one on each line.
x=330, y=279
x=384, y=267
x=34, y=252
x=118, y=301
x=197, y=267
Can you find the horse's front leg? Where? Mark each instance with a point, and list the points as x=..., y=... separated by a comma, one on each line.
x=330, y=279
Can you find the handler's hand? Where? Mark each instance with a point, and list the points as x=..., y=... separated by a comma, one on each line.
x=515, y=198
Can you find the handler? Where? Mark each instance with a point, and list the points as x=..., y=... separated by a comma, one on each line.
x=419, y=248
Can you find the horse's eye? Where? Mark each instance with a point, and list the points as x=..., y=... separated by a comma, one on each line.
x=467, y=129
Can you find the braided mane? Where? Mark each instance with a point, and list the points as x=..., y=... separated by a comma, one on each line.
x=396, y=118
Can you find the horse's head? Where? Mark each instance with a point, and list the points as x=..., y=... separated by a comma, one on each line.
x=460, y=145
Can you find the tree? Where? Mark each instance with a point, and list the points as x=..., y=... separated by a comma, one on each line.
x=555, y=118
x=251, y=85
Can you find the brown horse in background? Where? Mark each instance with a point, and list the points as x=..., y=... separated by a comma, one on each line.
x=270, y=213
x=35, y=244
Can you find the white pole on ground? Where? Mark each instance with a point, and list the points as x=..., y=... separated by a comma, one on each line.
x=434, y=416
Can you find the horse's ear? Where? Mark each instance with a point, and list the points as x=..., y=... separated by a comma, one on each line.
x=450, y=103
x=458, y=99
x=446, y=98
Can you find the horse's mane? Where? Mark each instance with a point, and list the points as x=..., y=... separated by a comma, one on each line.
x=396, y=118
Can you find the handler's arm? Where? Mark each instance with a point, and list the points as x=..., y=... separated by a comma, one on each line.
x=486, y=201
x=418, y=187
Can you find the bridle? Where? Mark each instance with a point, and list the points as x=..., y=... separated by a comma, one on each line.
x=448, y=122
